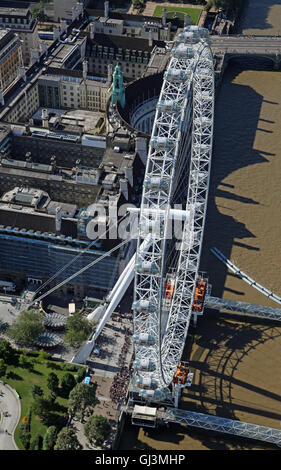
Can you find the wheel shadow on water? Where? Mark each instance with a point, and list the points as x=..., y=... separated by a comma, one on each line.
x=223, y=341
x=237, y=116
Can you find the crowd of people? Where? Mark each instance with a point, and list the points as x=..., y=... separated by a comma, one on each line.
x=121, y=379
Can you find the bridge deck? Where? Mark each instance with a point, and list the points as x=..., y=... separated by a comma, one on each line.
x=260, y=311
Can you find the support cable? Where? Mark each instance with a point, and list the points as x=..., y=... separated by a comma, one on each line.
x=81, y=271
x=42, y=286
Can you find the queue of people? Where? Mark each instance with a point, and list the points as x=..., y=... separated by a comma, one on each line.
x=120, y=382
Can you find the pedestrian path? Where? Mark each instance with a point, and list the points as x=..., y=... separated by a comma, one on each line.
x=10, y=409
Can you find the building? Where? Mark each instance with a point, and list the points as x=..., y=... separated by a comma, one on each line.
x=114, y=23
x=62, y=88
x=63, y=9
x=17, y=17
x=23, y=104
x=133, y=54
x=39, y=236
x=10, y=58
x=49, y=196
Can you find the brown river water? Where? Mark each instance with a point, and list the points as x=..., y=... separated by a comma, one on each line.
x=236, y=360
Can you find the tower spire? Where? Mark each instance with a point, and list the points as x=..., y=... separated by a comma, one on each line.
x=118, y=91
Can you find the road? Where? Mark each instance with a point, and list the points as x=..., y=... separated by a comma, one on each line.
x=247, y=44
x=10, y=409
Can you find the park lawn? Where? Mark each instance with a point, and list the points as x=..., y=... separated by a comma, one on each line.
x=22, y=379
x=194, y=13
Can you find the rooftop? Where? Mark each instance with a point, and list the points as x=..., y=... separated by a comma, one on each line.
x=92, y=13
x=9, y=11
x=123, y=42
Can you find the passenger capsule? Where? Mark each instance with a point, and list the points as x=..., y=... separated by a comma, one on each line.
x=151, y=226
x=189, y=37
x=147, y=383
x=168, y=106
x=162, y=143
x=157, y=395
x=155, y=183
x=182, y=51
x=146, y=267
x=144, y=306
x=177, y=76
x=203, y=32
x=143, y=339
x=144, y=364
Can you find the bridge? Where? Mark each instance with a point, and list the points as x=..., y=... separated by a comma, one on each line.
x=238, y=45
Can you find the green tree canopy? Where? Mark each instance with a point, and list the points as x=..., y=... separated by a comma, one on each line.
x=43, y=355
x=24, y=362
x=38, y=12
x=3, y=368
x=35, y=442
x=81, y=397
x=225, y=4
x=7, y=352
x=53, y=382
x=36, y=390
x=50, y=437
x=42, y=407
x=67, y=440
x=78, y=330
x=26, y=328
x=97, y=429
x=67, y=382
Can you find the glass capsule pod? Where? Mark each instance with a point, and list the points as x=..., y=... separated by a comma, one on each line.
x=143, y=339
x=178, y=76
x=146, y=267
x=151, y=226
x=144, y=306
x=147, y=383
x=189, y=37
x=183, y=51
x=162, y=143
x=144, y=364
x=156, y=183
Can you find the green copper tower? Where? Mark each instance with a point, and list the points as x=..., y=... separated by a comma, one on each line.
x=118, y=91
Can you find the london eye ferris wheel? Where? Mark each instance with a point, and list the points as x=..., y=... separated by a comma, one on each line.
x=177, y=175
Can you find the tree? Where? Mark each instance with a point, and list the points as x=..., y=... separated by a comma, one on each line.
x=35, y=443
x=43, y=356
x=26, y=328
x=78, y=330
x=81, y=397
x=36, y=391
x=3, y=368
x=49, y=438
x=42, y=408
x=67, y=440
x=38, y=12
x=7, y=352
x=97, y=429
x=24, y=362
x=67, y=383
x=53, y=382
x=24, y=435
x=225, y=4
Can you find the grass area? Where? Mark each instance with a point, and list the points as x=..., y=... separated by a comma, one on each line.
x=22, y=380
x=194, y=13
